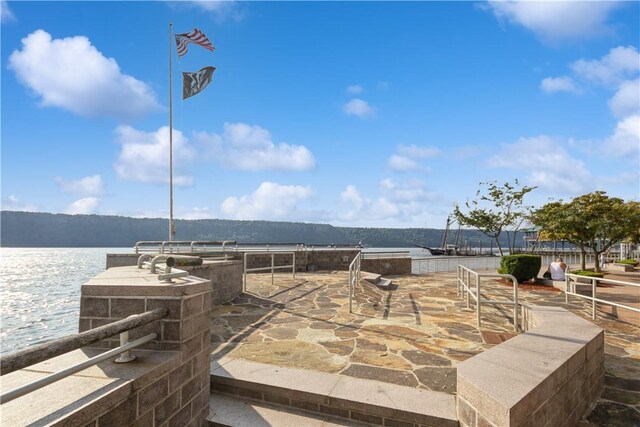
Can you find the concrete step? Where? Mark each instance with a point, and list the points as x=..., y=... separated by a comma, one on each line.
x=370, y=277
x=384, y=283
x=353, y=399
x=234, y=411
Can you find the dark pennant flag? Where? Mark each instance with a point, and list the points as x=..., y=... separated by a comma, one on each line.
x=194, y=83
x=196, y=36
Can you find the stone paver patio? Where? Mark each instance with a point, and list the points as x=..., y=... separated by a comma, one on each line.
x=413, y=335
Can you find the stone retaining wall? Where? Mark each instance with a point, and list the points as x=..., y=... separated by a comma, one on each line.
x=547, y=376
x=179, y=395
x=387, y=266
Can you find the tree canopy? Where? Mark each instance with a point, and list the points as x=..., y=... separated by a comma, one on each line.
x=592, y=222
x=497, y=209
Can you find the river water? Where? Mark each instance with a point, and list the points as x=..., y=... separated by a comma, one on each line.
x=40, y=290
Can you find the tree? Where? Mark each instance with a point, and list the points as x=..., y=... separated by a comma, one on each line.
x=592, y=222
x=497, y=209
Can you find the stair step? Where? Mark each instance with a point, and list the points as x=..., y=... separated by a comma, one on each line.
x=234, y=411
x=370, y=277
x=384, y=283
x=351, y=398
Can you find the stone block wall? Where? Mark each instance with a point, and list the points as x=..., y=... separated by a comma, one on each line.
x=546, y=377
x=387, y=266
x=180, y=396
x=225, y=278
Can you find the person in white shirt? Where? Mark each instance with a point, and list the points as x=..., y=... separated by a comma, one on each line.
x=557, y=269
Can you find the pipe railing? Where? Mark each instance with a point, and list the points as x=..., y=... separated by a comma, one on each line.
x=167, y=273
x=272, y=268
x=41, y=352
x=390, y=254
x=354, y=278
x=571, y=280
x=464, y=275
x=449, y=264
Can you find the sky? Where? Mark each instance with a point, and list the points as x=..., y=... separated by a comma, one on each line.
x=365, y=114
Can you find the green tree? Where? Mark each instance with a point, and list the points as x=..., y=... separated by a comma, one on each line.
x=497, y=209
x=593, y=222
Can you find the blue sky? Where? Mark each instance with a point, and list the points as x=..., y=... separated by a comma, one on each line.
x=348, y=113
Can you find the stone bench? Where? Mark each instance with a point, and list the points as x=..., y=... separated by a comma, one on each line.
x=547, y=376
x=620, y=267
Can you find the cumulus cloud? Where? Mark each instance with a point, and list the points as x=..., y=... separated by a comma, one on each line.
x=194, y=213
x=408, y=155
x=6, y=15
x=554, y=21
x=549, y=164
x=72, y=74
x=353, y=197
x=251, y=148
x=12, y=203
x=270, y=201
x=626, y=138
x=559, y=84
x=87, y=186
x=221, y=10
x=626, y=100
x=85, y=206
x=355, y=89
x=616, y=66
x=144, y=156
x=359, y=108
x=403, y=163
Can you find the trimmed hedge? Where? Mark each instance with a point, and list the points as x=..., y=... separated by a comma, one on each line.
x=587, y=273
x=523, y=267
x=627, y=261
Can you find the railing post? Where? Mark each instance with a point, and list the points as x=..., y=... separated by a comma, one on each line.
x=244, y=274
x=478, y=302
x=126, y=356
x=293, y=273
x=593, y=295
x=272, y=265
x=515, y=304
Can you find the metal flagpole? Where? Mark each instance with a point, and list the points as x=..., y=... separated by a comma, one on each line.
x=171, y=230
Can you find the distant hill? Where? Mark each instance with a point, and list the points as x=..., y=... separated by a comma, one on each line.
x=34, y=229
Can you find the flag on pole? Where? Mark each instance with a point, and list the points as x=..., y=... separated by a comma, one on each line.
x=194, y=83
x=196, y=36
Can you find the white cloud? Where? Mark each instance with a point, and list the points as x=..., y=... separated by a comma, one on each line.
x=269, y=201
x=194, y=213
x=559, y=84
x=71, y=73
x=549, y=164
x=626, y=138
x=358, y=107
x=402, y=163
x=352, y=196
x=626, y=101
x=85, y=206
x=219, y=9
x=251, y=148
x=6, y=15
x=616, y=66
x=355, y=89
x=408, y=192
x=418, y=151
x=406, y=159
x=87, y=186
x=12, y=203
x=144, y=156
x=555, y=21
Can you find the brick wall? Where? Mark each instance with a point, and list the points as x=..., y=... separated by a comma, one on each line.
x=180, y=396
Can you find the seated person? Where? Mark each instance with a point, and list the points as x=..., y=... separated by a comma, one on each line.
x=557, y=269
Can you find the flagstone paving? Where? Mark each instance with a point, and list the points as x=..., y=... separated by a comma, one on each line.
x=414, y=334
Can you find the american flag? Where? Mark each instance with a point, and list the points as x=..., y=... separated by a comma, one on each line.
x=196, y=36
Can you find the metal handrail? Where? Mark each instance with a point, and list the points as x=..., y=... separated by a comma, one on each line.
x=390, y=254
x=572, y=279
x=354, y=278
x=464, y=271
x=35, y=385
x=272, y=268
x=41, y=352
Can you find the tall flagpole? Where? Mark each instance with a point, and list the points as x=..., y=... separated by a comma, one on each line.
x=170, y=141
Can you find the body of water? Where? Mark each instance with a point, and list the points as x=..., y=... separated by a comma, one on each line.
x=40, y=291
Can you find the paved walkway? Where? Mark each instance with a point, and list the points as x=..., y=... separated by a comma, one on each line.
x=414, y=335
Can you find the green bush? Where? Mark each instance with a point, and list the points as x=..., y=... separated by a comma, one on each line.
x=627, y=261
x=587, y=273
x=523, y=267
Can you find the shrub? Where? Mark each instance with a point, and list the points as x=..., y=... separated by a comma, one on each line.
x=627, y=262
x=523, y=267
x=587, y=273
